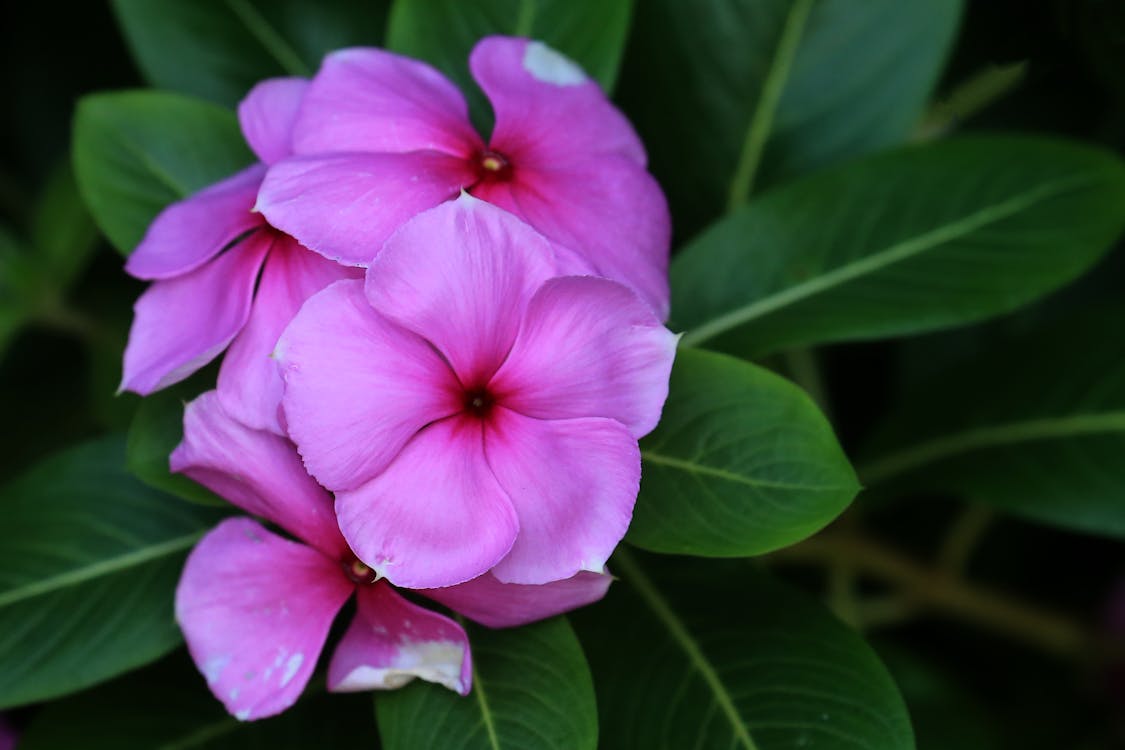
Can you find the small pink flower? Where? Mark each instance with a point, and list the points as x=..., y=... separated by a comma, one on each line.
x=205, y=254
x=256, y=608
x=472, y=408
x=380, y=138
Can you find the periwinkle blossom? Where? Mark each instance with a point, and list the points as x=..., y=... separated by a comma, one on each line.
x=473, y=408
x=380, y=137
x=256, y=608
x=204, y=255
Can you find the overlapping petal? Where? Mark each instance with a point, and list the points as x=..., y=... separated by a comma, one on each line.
x=573, y=484
x=502, y=605
x=183, y=323
x=548, y=112
x=460, y=275
x=250, y=385
x=392, y=641
x=436, y=516
x=267, y=116
x=357, y=386
x=257, y=471
x=188, y=233
x=366, y=99
x=255, y=610
x=588, y=347
x=345, y=206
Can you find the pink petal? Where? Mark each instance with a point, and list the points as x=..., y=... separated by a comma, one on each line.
x=188, y=233
x=460, y=275
x=249, y=382
x=573, y=483
x=391, y=641
x=346, y=205
x=436, y=516
x=357, y=387
x=255, y=610
x=608, y=210
x=548, y=112
x=181, y=324
x=267, y=115
x=588, y=348
x=504, y=605
x=366, y=99
x=257, y=471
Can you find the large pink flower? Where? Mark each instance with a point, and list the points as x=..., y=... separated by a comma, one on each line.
x=205, y=254
x=472, y=408
x=381, y=137
x=255, y=608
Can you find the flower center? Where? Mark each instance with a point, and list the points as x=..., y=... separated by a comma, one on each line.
x=478, y=401
x=493, y=166
x=357, y=572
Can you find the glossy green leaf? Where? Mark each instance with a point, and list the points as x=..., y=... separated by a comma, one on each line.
x=62, y=231
x=443, y=32
x=218, y=49
x=157, y=428
x=168, y=707
x=733, y=95
x=741, y=463
x=910, y=241
x=715, y=654
x=89, y=559
x=137, y=151
x=531, y=689
x=1034, y=426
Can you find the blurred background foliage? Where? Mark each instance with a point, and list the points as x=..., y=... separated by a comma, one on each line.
x=1041, y=66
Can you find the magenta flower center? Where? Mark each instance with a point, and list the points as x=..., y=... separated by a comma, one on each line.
x=493, y=166
x=478, y=401
x=357, y=572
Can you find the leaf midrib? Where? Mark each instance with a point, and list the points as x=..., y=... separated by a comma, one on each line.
x=990, y=436
x=271, y=40
x=730, y=476
x=101, y=568
x=660, y=607
x=881, y=259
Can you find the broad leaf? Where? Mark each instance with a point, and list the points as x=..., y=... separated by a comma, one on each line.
x=742, y=463
x=733, y=95
x=62, y=231
x=218, y=49
x=443, y=32
x=919, y=239
x=717, y=655
x=168, y=707
x=157, y=428
x=137, y=151
x=89, y=559
x=531, y=689
x=1034, y=426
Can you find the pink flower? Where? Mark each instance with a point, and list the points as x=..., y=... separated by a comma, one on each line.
x=473, y=409
x=204, y=254
x=256, y=608
x=380, y=138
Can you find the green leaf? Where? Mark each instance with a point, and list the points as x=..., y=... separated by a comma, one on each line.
x=732, y=95
x=443, y=32
x=692, y=654
x=218, y=49
x=531, y=689
x=137, y=151
x=168, y=707
x=89, y=559
x=1034, y=426
x=157, y=428
x=742, y=463
x=910, y=241
x=62, y=231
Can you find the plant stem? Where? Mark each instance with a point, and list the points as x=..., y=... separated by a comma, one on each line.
x=962, y=538
x=934, y=589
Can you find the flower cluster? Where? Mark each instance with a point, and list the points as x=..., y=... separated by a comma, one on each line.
x=440, y=356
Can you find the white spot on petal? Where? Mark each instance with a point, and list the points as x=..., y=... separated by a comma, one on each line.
x=213, y=668
x=242, y=715
x=549, y=66
x=291, y=668
x=433, y=661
